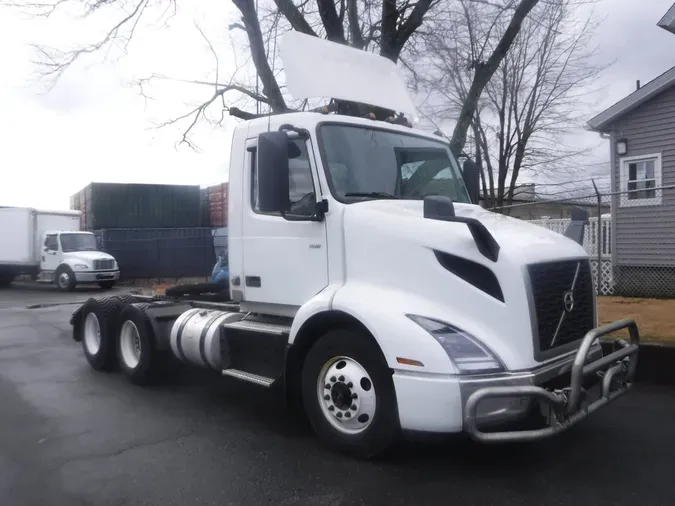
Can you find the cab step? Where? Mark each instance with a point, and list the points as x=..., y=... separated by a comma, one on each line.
x=254, y=350
x=250, y=377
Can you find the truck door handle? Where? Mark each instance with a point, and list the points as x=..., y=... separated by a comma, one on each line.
x=253, y=281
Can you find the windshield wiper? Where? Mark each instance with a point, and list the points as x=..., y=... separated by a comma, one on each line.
x=374, y=195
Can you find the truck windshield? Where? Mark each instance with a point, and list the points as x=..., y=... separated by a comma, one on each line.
x=365, y=162
x=78, y=242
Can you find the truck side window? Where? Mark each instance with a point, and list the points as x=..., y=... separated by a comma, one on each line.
x=51, y=243
x=301, y=185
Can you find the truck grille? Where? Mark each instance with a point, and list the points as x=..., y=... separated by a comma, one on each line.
x=102, y=265
x=563, y=301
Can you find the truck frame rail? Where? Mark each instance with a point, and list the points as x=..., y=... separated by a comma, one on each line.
x=568, y=407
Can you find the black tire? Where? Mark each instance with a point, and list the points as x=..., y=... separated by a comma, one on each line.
x=6, y=279
x=106, y=285
x=126, y=298
x=144, y=371
x=64, y=278
x=384, y=427
x=106, y=311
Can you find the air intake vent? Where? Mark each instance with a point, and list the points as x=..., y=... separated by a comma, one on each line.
x=472, y=272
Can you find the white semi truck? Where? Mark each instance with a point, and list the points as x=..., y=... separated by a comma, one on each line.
x=366, y=282
x=50, y=247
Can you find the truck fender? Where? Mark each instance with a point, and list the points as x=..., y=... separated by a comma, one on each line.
x=382, y=312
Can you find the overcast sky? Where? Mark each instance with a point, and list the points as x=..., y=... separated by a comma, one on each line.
x=93, y=127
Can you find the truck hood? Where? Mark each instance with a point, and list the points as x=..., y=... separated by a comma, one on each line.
x=532, y=243
x=390, y=246
x=87, y=256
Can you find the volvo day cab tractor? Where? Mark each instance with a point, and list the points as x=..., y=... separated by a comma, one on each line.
x=368, y=284
x=50, y=247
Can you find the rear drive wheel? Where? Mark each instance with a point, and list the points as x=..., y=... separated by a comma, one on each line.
x=136, y=348
x=348, y=393
x=65, y=278
x=98, y=330
x=106, y=285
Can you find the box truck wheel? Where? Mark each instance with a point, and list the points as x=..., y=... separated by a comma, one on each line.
x=99, y=328
x=65, y=278
x=136, y=349
x=348, y=393
x=6, y=278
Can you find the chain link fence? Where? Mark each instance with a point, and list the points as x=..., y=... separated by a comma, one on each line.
x=630, y=236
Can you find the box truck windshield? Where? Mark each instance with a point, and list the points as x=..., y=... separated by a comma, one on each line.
x=370, y=162
x=78, y=242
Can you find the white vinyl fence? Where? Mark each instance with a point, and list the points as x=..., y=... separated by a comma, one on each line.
x=591, y=242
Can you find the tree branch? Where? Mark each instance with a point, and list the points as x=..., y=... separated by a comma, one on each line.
x=485, y=72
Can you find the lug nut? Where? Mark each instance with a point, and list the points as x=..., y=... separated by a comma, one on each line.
x=327, y=386
x=331, y=408
x=350, y=384
x=339, y=414
x=355, y=396
x=348, y=414
x=341, y=378
x=332, y=378
x=353, y=407
x=326, y=397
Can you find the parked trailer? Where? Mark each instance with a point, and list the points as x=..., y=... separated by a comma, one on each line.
x=492, y=321
x=50, y=247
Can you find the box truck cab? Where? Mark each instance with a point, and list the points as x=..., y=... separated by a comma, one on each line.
x=50, y=247
x=71, y=257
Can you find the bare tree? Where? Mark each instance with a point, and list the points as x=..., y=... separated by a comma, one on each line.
x=382, y=26
x=388, y=27
x=533, y=97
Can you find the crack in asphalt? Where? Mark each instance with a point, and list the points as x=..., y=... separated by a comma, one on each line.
x=122, y=451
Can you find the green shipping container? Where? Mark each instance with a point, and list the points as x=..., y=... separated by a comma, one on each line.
x=118, y=205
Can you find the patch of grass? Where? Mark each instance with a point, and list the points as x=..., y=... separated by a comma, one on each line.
x=655, y=318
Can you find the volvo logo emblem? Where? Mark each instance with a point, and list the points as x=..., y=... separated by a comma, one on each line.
x=568, y=299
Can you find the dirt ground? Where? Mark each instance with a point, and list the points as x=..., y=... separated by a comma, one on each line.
x=655, y=317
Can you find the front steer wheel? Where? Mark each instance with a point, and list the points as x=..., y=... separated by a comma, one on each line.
x=348, y=393
x=64, y=277
x=98, y=329
x=106, y=285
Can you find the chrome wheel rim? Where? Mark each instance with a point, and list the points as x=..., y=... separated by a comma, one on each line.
x=64, y=280
x=346, y=395
x=130, y=344
x=92, y=334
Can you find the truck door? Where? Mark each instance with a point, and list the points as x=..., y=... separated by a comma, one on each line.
x=284, y=262
x=50, y=253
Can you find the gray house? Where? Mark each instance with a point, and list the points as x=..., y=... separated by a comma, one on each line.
x=641, y=131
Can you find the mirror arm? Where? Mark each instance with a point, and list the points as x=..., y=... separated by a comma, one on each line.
x=303, y=133
x=320, y=210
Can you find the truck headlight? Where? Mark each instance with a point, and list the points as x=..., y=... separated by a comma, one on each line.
x=81, y=266
x=466, y=352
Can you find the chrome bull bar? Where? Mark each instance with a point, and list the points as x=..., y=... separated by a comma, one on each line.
x=617, y=370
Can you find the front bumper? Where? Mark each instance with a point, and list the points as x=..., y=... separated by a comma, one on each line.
x=474, y=404
x=96, y=276
x=567, y=405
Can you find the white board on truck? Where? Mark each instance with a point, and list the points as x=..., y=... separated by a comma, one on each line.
x=317, y=68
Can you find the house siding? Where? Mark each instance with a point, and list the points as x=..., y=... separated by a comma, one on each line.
x=645, y=235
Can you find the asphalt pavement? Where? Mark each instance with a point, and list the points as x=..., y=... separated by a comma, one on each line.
x=71, y=436
x=27, y=294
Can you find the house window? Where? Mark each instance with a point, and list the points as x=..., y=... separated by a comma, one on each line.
x=640, y=178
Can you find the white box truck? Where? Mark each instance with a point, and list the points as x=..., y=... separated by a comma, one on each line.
x=50, y=247
x=367, y=283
